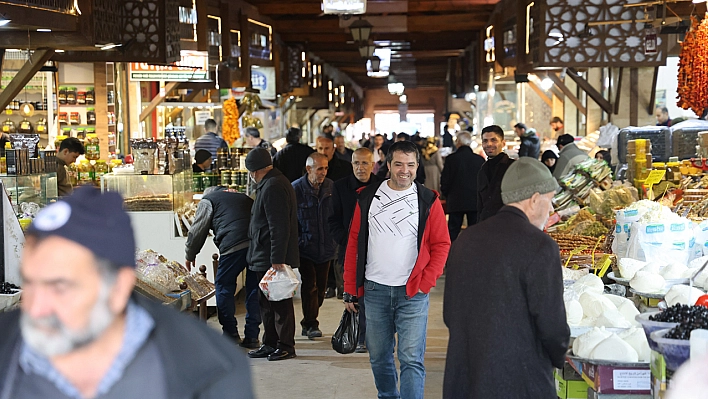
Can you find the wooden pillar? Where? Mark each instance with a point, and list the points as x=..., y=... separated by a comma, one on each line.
x=245, y=55
x=633, y=96
x=100, y=107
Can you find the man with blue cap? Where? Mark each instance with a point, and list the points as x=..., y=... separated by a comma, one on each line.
x=82, y=333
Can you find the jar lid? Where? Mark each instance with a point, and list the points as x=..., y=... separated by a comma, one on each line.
x=100, y=161
x=90, y=135
x=90, y=88
x=91, y=129
x=90, y=109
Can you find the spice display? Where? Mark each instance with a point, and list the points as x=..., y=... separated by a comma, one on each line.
x=143, y=203
x=693, y=68
x=230, y=127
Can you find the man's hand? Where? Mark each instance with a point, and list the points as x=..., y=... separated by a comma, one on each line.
x=279, y=266
x=188, y=264
x=351, y=307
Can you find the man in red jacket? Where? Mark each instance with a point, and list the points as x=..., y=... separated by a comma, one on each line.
x=397, y=248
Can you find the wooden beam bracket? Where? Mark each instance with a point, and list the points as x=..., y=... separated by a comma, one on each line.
x=652, y=99
x=541, y=94
x=591, y=91
x=29, y=69
x=158, y=100
x=561, y=85
x=618, y=95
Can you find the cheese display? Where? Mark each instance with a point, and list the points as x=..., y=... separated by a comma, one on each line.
x=682, y=294
x=615, y=349
x=647, y=282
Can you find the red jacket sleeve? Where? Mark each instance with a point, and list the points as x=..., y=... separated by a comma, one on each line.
x=438, y=238
x=350, y=260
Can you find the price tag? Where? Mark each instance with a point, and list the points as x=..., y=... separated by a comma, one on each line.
x=655, y=176
x=575, y=252
x=631, y=380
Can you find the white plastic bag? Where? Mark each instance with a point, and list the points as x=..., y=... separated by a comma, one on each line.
x=278, y=285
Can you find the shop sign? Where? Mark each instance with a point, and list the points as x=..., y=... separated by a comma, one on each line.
x=192, y=66
x=263, y=79
x=200, y=117
x=650, y=42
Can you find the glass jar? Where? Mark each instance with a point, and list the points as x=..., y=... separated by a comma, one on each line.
x=90, y=95
x=63, y=118
x=85, y=173
x=71, y=95
x=72, y=172
x=75, y=118
x=9, y=126
x=93, y=151
x=110, y=97
x=111, y=139
x=58, y=140
x=100, y=169
x=90, y=116
x=41, y=127
x=62, y=95
x=25, y=126
x=81, y=134
x=81, y=97
x=3, y=165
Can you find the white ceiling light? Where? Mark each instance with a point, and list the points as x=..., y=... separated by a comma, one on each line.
x=546, y=84
x=344, y=6
x=396, y=88
x=43, y=30
x=4, y=20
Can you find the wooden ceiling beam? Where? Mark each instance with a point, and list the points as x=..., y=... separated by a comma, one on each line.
x=449, y=22
x=23, y=17
x=451, y=5
x=28, y=70
x=57, y=40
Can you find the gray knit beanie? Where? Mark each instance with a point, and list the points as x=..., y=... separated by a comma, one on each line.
x=525, y=177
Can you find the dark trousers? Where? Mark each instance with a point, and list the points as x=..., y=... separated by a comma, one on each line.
x=362, y=322
x=454, y=222
x=278, y=321
x=331, y=281
x=314, y=285
x=230, y=266
x=339, y=273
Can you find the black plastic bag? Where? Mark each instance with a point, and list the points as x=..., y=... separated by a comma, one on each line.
x=346, y=337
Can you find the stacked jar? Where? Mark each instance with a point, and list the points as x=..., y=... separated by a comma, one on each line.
x=93, y=150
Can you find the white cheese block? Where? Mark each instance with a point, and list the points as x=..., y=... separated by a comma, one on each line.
x=628, y=267
x=573, y=312
x=682, y=294
x=630, y=312
x=673, y=271
x=584, y=344
x=647, y=282
x=594, y=305
x=614, y=349
x=637, y=339
x=612, y=318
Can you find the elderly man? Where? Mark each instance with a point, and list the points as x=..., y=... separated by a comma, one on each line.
x=227, y=214
x=344, y=200
x=317, y=248
x=252, y=137
x=274, y=243
x=570, y=155
x=337, y=168
x=82, y=333
x=397, y=248
x=489, y=178
x=459, y=189
x=210, y=141
x=518, y=294
x=291, y=159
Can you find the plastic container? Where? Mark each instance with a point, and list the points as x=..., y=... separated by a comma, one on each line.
x=675, y=351
x=81, y=97
x=699, y=343
x=71, y=95
x=90, y=116
x=75, y=118
x=86, y=173
x=64, y=118
x=652, y=326
x=93, y=150
x=90, y=95
x=62, y=95
x=41, y=126
x=100, y=169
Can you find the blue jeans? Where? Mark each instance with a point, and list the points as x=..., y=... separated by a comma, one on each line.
x=230, y=266
x=389, y=312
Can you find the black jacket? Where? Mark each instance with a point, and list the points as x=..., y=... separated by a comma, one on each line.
x=313, y=211
x=339, y=169
x=291, y=160
x=459, y=189
x=216, y=368
x=273, y=229
x=489, y=199
x=530, y=145
x=505, y=311
x=344, y=198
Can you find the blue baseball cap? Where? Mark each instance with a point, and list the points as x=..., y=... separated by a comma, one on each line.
x=94, y=220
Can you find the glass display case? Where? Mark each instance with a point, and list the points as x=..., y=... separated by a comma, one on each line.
x=150, y=193
x=40, y=188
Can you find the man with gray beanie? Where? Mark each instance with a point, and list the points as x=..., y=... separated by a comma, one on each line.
x=291, y=159
x=252, y=137
x=274, y=244
x=81, y=332
x=517, y=291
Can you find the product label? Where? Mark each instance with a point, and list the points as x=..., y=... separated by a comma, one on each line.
x=655, y=228
x=631, y=212
x=678, y=226
x=631, y=380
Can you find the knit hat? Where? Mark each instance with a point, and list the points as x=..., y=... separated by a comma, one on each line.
x=201, y=156
x=525, y=177
x=564, y=139
x=91, y=219
x=257, y=159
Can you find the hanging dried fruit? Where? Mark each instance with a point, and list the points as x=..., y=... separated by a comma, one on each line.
x=693, y=68
x=230, y=127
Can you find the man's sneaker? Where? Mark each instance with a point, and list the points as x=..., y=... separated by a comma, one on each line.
x=361, y=348
x=330, y=293
x=250, y=343
x=314, y=333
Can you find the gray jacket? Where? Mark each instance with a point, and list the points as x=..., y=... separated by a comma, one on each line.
x=570, y=155
x=273, y=229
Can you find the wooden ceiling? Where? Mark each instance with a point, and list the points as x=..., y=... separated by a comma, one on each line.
x=422, y=34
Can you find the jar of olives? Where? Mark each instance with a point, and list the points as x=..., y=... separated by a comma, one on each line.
x=86, y=173
x=93, y=151
x=100, y=169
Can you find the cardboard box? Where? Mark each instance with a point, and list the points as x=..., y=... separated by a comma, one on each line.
x=618, y=379
x=594, y=395
x=570, y=389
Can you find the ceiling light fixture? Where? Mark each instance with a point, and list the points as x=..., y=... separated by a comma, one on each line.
x=344, y=7
x=360, y=30
x=367, y=51
x=43, y=30
x=4, y=20
x=109, y=46
x=375, y=63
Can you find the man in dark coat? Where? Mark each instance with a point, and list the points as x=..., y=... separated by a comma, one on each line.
x=317, y=247
x=344, y=201
x=459, y=189
x=273, y=234
x=505, y=309
x=337, y=167
x=530, y=143
x=82, y=332
x=291, y=159
x=489, y=179
x=227, y=214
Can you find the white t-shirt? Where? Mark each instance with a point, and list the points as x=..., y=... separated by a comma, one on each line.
x=393, y=236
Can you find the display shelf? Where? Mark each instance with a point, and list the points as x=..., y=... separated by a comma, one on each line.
x=111, y=104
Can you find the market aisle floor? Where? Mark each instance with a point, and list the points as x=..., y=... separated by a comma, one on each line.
x=319, y=372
